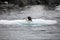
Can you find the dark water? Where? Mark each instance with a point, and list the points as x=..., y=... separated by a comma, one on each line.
x=15, y=32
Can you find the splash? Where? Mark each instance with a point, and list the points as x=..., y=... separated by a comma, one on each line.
x=34, y=22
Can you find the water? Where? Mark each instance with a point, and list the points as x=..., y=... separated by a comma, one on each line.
x=15, y=32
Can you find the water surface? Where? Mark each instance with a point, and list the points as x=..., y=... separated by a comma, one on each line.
x=15, y=32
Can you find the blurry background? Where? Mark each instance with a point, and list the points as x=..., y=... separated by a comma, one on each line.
x=20, y=9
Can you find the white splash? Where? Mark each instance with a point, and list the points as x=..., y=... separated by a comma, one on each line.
x=34, y=22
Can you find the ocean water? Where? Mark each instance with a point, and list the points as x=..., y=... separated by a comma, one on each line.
x=46, y=32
